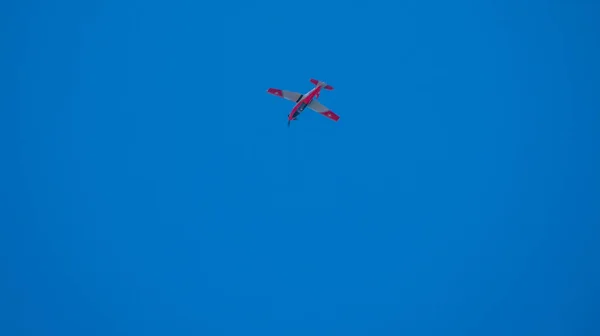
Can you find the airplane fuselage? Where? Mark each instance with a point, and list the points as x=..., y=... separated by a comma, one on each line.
x=303, y=101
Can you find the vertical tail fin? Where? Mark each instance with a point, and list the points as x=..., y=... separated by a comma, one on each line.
x=323, y=84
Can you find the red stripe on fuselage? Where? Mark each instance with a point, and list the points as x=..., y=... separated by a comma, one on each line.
x=305, y=100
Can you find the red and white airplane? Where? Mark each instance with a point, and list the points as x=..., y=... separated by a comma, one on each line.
x=308, y=99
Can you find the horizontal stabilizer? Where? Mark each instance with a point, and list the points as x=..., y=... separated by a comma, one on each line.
x=325, y=85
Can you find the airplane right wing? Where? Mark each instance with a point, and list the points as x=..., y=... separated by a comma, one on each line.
x=289, y=95
x=323, y=110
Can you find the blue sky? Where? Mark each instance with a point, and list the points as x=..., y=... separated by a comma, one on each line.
x=151, y=185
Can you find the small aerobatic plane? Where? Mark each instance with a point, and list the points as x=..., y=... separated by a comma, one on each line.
x=308, y=99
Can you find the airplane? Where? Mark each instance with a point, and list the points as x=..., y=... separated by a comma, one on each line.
x=308, y=99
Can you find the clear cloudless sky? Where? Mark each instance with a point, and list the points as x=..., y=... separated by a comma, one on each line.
x=151, y=186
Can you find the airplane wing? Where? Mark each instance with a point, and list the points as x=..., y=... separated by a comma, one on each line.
x=323, y=110
x=289, y=95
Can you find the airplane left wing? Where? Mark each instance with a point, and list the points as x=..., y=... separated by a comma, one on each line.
x=323, y=110
x=289, y=95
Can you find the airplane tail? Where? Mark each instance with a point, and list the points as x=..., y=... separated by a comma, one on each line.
x=323, y=84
